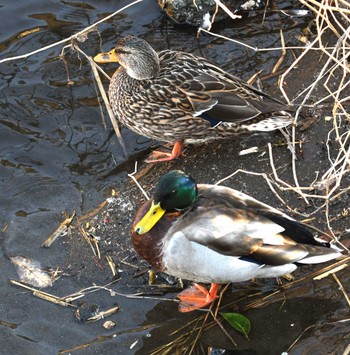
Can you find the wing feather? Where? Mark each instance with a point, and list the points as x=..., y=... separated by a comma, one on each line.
x=232, y=223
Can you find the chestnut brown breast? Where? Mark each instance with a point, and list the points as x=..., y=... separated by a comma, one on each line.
x=149, y=245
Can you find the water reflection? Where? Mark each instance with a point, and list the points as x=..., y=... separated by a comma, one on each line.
x=55, y=153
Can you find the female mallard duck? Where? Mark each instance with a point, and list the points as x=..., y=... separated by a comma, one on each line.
x=180, y=98
x=214, y=234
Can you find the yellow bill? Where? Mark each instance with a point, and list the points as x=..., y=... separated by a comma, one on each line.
x=153, y=215
x=106, y=57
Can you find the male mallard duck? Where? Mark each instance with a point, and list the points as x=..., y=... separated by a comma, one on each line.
x=180, y=98
x=214, y=234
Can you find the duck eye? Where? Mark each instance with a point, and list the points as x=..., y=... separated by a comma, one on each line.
x=169, y=195
x=121, y=51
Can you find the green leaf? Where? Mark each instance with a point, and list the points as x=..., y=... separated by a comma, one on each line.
x=238, y=322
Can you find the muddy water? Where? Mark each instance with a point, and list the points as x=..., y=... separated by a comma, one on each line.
x=56, y=155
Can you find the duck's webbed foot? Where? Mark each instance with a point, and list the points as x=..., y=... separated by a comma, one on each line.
x=158, y=156
x=197, y=296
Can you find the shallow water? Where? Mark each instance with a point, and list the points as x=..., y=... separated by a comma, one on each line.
x=55, y=153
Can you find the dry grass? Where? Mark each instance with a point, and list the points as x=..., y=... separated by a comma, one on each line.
x=187, y=337
x=331, y=17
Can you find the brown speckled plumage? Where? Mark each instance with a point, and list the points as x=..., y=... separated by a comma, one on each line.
x=166, y=105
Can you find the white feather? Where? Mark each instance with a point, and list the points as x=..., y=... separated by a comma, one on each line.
x=194, y=261
x=207, y=108
x=319, y=258
x=202, y=264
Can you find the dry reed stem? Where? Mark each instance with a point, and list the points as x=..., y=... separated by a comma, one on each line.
x=284, y=53
x=111, y=265
x=43, y=295
x=223, y=329
x=83, y=292
x=103, y=338
x=259, y=302
x=341, y=287
x=330, y=272
x=200, y=331
x=133, y=177
x=63, y=228
x=93, y=242
x=227, y=10
x=104, y=95
x=336, y=58
x=80, y=36
x=102, y=314
x=263, y=175
x=299, y=337
x=328, y=19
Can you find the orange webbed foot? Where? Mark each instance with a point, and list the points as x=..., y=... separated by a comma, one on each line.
x=156, y=156
x=197, y=296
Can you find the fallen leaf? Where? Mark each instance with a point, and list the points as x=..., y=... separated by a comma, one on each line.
x=238, y=322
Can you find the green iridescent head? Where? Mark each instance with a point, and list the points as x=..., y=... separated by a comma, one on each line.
x=174, y=191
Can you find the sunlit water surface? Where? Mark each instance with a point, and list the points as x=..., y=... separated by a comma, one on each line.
x=55, y=152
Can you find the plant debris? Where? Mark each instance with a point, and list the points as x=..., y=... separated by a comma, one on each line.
x=31, y=272
x=60, y=231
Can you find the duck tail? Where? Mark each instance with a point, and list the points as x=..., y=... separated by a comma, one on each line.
x=318, y=254
x=267, y=122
